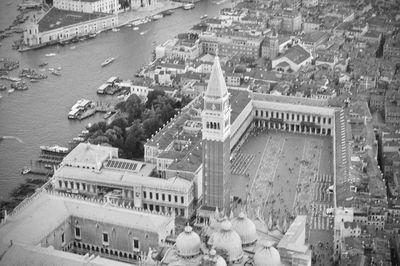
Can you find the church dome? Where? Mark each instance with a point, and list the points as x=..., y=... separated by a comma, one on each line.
x=228, y=240
x=267, y=255
x=213, y=259
x=245, y=228
x=188, y=243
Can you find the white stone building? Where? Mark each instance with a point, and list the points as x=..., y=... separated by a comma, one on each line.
x=88, y=6
x=59, y=26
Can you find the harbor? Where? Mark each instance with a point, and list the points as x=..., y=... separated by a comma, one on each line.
x=42, y=109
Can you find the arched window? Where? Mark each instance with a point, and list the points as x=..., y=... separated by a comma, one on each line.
x=218, y=126
x=208, y=125
x=256, y=112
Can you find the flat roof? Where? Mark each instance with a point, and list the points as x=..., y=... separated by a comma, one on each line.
x=290, y=100
x=87, y=153
x=124, y=178
x=57, y=18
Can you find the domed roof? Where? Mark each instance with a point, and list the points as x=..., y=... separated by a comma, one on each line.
x=214, y=259
x=188, y=243
x=245, y=228
x=267, y=256
x=229, y=240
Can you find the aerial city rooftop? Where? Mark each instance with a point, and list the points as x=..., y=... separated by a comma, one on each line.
x=284, y=148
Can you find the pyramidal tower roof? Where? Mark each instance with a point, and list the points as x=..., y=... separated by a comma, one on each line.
x=216, y=87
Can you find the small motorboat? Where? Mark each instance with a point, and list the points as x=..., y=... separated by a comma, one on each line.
x=135, y=28
x=50, y=54
x=3, y=87
x=25, y=171
x=48, y=166
x=43, y=64
x=34, y=80
x=107, y=61
x=11, y=90
x=115, y=29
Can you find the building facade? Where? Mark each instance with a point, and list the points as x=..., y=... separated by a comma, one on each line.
x=61, y=26
x=88, y=6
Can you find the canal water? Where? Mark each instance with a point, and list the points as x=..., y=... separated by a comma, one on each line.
x=38, y=116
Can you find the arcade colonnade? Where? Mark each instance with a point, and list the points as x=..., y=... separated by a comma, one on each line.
x=309, y=123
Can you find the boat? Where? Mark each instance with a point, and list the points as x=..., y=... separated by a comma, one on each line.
x=128, y=25
x=107, y=115
x=48, y=166
x=204, y=16
x=92, y=35
x=3, y=87
x=43, y=64
x=10, y=90
x=25, y=171
x=157, y=17
x=72, y=47
x=108, y=61
x=188, y=6
x=59, y=68
x=135, y=28
x=50, y=54
x=34, y=80
x=115, y=29
x=78, y=139
x=56, y=73
x=167, y=12
x=55, y=149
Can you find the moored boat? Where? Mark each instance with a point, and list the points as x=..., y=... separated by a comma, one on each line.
x=55, y=149
x=25, y=171
x=115, y=29
x=188, y=6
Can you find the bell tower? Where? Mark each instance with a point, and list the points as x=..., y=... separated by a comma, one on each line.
x=216, y=125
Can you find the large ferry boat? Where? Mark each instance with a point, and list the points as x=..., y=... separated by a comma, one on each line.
x=55, y=149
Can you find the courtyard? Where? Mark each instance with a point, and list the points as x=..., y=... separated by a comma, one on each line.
x=279, y=175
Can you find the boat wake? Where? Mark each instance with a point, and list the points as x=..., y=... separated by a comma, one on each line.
x=12, y=137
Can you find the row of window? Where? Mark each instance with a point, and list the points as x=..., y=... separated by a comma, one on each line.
x=105, y=238
x=103, y=250
x=307, y=118
x=164, y=209
x=163, y=197
x=213, y=125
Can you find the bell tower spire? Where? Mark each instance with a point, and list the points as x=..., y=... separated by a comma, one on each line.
x=216, y=117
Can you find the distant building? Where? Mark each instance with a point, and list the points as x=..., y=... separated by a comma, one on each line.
x=392, y=108
x=310, y=3
x=292, y=60
x=291, y=21
x=88, y=6
x=270, y=46
x=229, y=44
x=60, y=25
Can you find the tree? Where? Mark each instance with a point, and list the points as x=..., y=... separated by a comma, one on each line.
x=134, y=139
x=132, y=107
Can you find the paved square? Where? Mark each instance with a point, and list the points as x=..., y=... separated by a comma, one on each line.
x=279, y=175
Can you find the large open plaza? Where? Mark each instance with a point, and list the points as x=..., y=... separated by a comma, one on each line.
x=279, y=175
